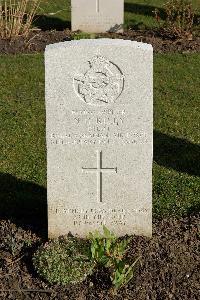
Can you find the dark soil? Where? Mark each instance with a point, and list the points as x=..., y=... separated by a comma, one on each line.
x=37, y=41
x=168, y=269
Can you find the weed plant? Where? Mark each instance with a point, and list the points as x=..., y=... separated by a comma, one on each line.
x=109, y=251
x=179, y=19
x=16, y=17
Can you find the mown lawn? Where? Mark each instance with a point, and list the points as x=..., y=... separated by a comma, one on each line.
x=138, y=13
x=176, y=172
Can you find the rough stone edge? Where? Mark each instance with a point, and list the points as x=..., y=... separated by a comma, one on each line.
x=100, y=42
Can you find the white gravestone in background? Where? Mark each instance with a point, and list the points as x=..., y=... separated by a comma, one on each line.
x=97, y=15
x=99, y=136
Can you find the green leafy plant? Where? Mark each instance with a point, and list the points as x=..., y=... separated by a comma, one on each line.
x=122, y=274
x=71, y=260
x=64, y=261
x=83, y=35
x=109, y=251
x=179, y=18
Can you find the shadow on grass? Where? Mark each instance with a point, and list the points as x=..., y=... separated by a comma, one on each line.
x=148, y=10
x=50, y=23
x=177, y=154
x=24, y=203
x=142, y=9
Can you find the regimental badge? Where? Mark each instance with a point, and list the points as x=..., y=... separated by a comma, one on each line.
x=101, y=84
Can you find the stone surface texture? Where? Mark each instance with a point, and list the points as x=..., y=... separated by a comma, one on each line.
x=99, y=130
x=97, y=15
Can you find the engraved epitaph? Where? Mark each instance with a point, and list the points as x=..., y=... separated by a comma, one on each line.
x=97, y=15
x=99, y=131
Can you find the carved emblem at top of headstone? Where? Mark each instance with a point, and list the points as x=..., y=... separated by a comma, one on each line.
x=102, y=83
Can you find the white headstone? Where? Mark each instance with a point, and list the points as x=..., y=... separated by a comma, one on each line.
x=97, y=15
x=99, y=105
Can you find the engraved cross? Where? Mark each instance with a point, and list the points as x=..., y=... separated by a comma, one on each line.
x=97, y=6
x=99, y=170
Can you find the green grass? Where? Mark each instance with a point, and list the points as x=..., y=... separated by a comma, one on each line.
x=177, y=134
x=138, y=13
x=23, y=154
x=176, y=186
x=22, y=116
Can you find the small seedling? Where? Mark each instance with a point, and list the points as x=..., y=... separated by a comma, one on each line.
x=108, y=251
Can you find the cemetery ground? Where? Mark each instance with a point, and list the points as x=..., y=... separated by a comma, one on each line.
x=53, y=23
x=168, y=268
x=169, y=263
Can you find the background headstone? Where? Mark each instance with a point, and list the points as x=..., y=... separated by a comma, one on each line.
x=97, y=15
x=99, y=105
